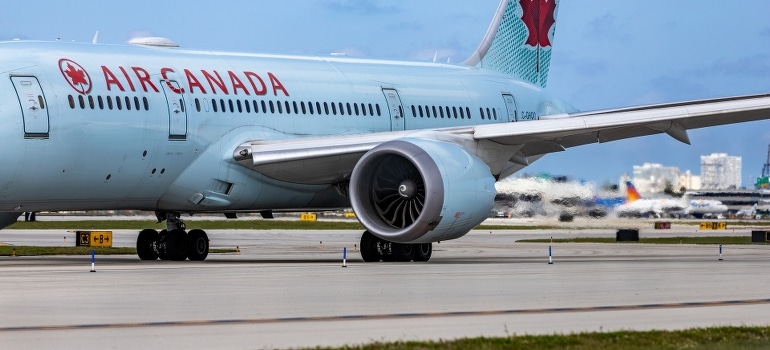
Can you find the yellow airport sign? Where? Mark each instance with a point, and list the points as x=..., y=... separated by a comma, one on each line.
x=713, y=225
x=94, y=238
x=308, y=217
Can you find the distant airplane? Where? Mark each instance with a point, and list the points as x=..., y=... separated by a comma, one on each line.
x=636, y=206
x=414, y=147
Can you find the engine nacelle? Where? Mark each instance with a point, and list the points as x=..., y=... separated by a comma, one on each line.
x=421, y=190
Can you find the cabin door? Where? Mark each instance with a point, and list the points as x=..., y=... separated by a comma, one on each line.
x=33, y=107
x=177, y=113
x=510, y=104
x=395, y=108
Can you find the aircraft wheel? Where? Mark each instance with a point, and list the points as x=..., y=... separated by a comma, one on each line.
x=177, y=247
x=147, y=245
x=198, y=243
x=423, y=251
x=369, y=249
x=402, y=252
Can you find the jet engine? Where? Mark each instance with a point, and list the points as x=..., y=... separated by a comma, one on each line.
x=415, y=190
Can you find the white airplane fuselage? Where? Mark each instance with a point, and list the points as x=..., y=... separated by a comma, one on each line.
x=130, y=127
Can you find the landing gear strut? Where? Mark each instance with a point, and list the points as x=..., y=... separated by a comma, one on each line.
x=374, y=249
x=173, y=243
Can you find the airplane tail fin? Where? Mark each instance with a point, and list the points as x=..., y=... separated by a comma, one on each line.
x=631, y=193
x=518, y=42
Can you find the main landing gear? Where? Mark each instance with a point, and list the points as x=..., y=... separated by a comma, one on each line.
x=173, y=243
x=374, y=249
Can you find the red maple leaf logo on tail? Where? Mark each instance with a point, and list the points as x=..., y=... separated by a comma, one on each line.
x=538, y=17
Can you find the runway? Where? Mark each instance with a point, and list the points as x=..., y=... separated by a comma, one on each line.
x=289, y=289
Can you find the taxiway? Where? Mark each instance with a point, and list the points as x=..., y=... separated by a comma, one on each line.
x=289, y=289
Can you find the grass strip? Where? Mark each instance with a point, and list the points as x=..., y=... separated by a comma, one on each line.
x=696, y=338
x=38, y=251
x=200, y=224
x=652, y=240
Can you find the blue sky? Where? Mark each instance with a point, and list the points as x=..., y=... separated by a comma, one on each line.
x=606, y=53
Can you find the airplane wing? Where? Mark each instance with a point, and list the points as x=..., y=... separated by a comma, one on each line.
x=333, y=158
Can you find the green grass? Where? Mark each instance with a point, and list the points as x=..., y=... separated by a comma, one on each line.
x=41, y=224
x=698, y=338
x=655, y=240
x=37, y=251
x=242, y=224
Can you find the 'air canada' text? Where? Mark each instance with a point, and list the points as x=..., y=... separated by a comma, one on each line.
x=195, y=82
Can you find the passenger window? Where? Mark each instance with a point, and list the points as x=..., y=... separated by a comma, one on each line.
x=334, y=108
x=238, y=105
x=379, y=112
x=494, y=112
x=136, y=103
x=280, y=107
x=441, y=112
x=146, y=104
x=198, y=105
x=310, y=107
x=118, y=103
x=81, y=102
x=355, y=107
x=247, y=105
x=296, y=110
x=419, y=108
x=91, y=101
x=288, y=107
x=128, y=103
x=468, y=112
x=272, y=107
x=326, y=108
x=109, y=102
x=71, y=101
x=462, y=113
x=454, y=112
x=481, y=110
x=363, y=109
x=350, y=111
x=302, y=104
x=414, y=111
x=214, y=105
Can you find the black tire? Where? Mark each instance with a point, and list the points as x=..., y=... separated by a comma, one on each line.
x=147, y=245
x=177, y=245
x=369, y=251
x=422, y=252
x=402, y=252
x=198, y=245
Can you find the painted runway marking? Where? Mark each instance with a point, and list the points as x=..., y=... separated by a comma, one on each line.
x=384, y=316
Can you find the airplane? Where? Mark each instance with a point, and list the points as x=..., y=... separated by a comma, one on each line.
x=415, y=148
x=636, y=206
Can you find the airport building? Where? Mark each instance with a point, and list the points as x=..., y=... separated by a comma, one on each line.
x=720, y=171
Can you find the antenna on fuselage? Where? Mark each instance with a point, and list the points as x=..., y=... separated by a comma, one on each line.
x=96, y=37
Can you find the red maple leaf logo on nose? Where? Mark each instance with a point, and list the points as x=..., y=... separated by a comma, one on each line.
x=538, y=17
x=76, y=76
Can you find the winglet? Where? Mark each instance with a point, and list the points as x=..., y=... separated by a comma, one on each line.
x=518, y=41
